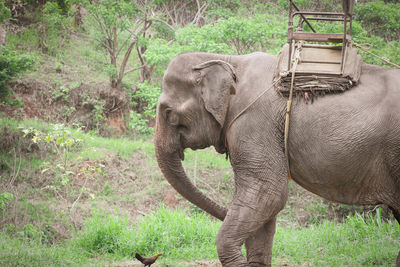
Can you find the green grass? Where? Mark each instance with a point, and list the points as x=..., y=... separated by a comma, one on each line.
x=182, y=235
x=96, y=147
x=176, y=234
x=19, y=252
x=359, y=240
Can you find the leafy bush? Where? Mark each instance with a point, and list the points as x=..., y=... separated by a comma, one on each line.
x=55, y=27
x=380, y=19
x=148, y=94
x=139, y=123
x=4, y=12
x=232, y=35
x=5, y=198
x=12, y=64
x=102, y=233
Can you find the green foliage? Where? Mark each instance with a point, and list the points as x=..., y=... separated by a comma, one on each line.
x=60, y=137
x=114, y=13
x=379, y=18
x=138, y=122
x=160, y=52
x=103, y=233
x=353, y=242
x=56, y=24
x=12, y=64
x=61, y=93
x=205, y=39
x=64, y=5
x=361, y=240
x=61, y=141
x=149, y=95
x=193, y=236
x=5, y=13
x=5, y=198
x=233, y=35
x=321, y=5
x=21, y=252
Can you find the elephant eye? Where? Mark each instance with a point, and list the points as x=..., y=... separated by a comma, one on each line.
x=171, y=117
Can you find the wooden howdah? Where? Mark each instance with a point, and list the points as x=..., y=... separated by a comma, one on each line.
x=327, y=62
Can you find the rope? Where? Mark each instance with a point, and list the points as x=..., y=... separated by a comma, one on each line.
x=288, y=108
x=243, y=111
x=362, y=47
x=251, y=103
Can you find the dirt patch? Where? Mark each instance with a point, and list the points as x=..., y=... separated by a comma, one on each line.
x=95, y=106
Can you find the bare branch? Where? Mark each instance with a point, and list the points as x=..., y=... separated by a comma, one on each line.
x=133, y=69
x=164, y=22
x=200, y=12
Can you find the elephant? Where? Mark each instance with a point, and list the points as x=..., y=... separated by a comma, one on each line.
x=343, y=147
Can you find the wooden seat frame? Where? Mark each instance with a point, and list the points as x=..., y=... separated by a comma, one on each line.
x=298, y=35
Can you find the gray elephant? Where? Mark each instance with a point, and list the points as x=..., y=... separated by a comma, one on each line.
x=343, y=147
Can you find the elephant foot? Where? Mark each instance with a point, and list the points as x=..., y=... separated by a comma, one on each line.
x=259, y=245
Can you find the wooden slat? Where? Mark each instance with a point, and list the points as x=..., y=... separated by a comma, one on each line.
x=320, y=37
x=321, y=55
x=318, y=68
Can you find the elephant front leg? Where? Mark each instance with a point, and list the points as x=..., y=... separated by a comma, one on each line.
x=250, y=220
x=259, y=245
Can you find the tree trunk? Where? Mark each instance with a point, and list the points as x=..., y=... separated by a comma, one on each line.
x=3, y=35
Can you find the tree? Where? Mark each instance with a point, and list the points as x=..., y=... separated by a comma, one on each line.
x=124, y=26
x=4, y=15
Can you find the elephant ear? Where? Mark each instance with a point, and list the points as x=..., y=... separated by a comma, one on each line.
x=217, y=80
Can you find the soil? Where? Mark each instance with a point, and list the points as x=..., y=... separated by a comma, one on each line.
x=91, y=106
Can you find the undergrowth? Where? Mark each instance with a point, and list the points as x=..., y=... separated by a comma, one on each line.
x=361, y=240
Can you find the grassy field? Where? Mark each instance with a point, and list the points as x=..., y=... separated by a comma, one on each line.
x=78, y=207
x=180, y=236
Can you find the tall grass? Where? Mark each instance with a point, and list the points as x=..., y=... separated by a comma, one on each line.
x=359, y=240
x=176, y=234
x=18, y=252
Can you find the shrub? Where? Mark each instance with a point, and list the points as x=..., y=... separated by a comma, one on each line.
x=55, y=27
x=4, y=12
x=102, y=233
x=380, y=19
x=148, y=95
x=12, y=64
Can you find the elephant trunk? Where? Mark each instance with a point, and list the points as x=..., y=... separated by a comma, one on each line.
x=171, y=166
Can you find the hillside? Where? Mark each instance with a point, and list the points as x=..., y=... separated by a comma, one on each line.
x=79, y=182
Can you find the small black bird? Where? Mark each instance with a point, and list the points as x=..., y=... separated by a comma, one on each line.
x=147, y=261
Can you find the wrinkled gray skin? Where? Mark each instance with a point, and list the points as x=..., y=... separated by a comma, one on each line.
x=343, y=147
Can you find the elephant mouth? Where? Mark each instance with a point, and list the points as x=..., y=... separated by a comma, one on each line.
x=184, y=144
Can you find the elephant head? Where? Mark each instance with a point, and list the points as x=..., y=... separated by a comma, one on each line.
x=191, y=113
